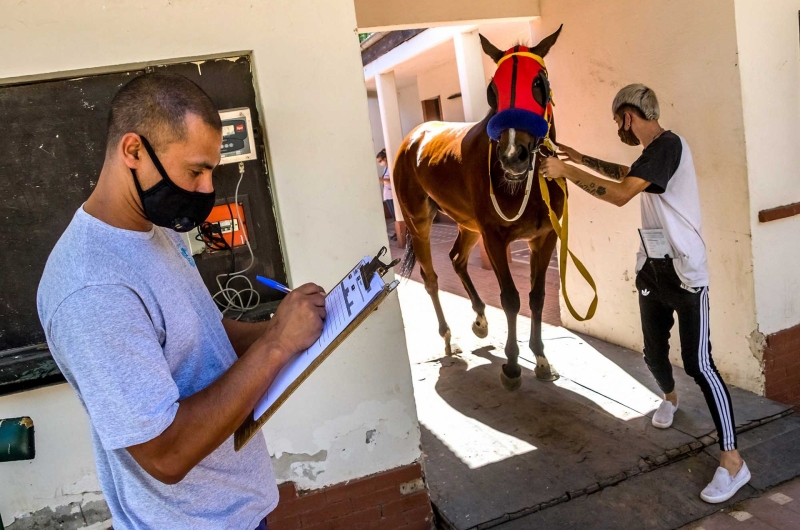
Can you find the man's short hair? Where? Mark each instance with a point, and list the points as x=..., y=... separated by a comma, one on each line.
x=639, y=98
x=155, y=106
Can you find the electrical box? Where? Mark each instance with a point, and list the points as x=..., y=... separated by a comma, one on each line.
x=234, y=234
x=230, y=225
x=238, y=143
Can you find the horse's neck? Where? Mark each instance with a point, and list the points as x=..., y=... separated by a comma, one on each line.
x=478, y=132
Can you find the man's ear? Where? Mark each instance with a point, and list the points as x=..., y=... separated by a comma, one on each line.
x=131, y=149
x=628, y=121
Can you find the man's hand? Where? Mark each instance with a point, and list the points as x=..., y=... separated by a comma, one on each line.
x=297, y=323
x=552, y=168
x=569, y=154
x=617, y=193
x=209, y=417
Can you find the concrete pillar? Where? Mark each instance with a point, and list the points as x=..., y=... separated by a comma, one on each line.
x=392, y=137
x=469, y=59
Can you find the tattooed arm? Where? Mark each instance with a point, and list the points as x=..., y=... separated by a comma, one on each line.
x=616, y=193
x=609, y=169
x=613, y=171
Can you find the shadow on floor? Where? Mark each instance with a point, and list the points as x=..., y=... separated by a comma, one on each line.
x=493, y=456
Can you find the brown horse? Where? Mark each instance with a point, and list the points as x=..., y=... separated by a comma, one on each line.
x=444, y=166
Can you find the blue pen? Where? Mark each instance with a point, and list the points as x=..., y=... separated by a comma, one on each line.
x=275, y=285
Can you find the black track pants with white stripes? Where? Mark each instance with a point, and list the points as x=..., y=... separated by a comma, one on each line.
x=661, y=295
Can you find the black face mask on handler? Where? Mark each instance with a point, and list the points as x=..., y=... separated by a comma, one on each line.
x=168, y=205
x=627, y=137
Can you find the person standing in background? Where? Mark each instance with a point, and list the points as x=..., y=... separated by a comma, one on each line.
x=386, y=182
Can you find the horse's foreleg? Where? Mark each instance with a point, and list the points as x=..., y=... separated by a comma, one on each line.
x=459, y=255
x=541, y=252
x=509, y=299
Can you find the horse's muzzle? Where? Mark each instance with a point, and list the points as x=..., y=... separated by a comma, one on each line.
x=517, y=165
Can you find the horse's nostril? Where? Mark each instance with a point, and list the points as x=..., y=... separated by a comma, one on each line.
x=522, y=153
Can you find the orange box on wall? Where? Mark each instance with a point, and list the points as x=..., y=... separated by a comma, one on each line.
x=222, y=215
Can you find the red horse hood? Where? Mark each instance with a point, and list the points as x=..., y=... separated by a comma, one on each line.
x=517, y=108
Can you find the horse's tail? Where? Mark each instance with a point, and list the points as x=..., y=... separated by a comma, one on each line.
x=409, y=258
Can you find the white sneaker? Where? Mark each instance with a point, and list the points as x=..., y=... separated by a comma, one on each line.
x=662, y=419
x=722, y=487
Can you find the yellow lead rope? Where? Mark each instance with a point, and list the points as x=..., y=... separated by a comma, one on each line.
x=562, y=231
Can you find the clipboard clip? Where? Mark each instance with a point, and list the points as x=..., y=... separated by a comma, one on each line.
x=376, y=265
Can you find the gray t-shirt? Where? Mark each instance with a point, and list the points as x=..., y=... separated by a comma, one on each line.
x=134, y=330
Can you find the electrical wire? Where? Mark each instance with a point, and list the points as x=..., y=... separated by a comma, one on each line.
x=245, y=298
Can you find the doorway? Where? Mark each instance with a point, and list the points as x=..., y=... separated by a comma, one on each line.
x=432, y=109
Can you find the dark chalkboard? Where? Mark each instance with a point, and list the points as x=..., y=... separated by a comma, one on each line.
x=52, y=143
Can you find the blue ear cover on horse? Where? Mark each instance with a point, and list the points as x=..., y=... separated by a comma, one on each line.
x=518, y=119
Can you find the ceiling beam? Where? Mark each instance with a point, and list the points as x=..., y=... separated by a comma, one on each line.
x=390, y=15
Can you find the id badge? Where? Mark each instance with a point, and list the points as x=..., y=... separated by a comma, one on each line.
x=655, y=242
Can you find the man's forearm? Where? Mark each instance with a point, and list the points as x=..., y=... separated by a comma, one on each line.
x=609, y=169
x=611, y=192
x=243, y=334
x=207, y=418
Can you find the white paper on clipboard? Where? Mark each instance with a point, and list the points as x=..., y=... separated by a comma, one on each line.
x=343, y=304
x=655, y=242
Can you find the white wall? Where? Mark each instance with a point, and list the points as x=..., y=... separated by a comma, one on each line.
x=442, y=81
x=769, y=62
x=686, y=51
x=318, y=437
x=410, y=116
x=63, y=471
x=410, y=108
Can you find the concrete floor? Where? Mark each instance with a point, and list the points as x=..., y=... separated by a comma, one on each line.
x=580, y=452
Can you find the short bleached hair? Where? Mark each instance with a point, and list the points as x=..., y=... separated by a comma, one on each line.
x=640, y=98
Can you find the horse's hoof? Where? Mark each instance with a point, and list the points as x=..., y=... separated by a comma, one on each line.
x=546, y=374
x=480, y=327
x=510, y=383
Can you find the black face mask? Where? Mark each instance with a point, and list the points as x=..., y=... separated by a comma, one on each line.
x=168, y=205
x=627, y=137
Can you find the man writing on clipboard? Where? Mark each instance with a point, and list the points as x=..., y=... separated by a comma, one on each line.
x=164, y=378
x=672, y=274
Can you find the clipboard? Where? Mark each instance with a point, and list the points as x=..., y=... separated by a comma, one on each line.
x=367, y=270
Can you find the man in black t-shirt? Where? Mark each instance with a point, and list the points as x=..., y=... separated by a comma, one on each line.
x=672, y=271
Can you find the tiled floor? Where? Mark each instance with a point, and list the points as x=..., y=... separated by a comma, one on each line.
x=442, y=237
x=776, y=509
